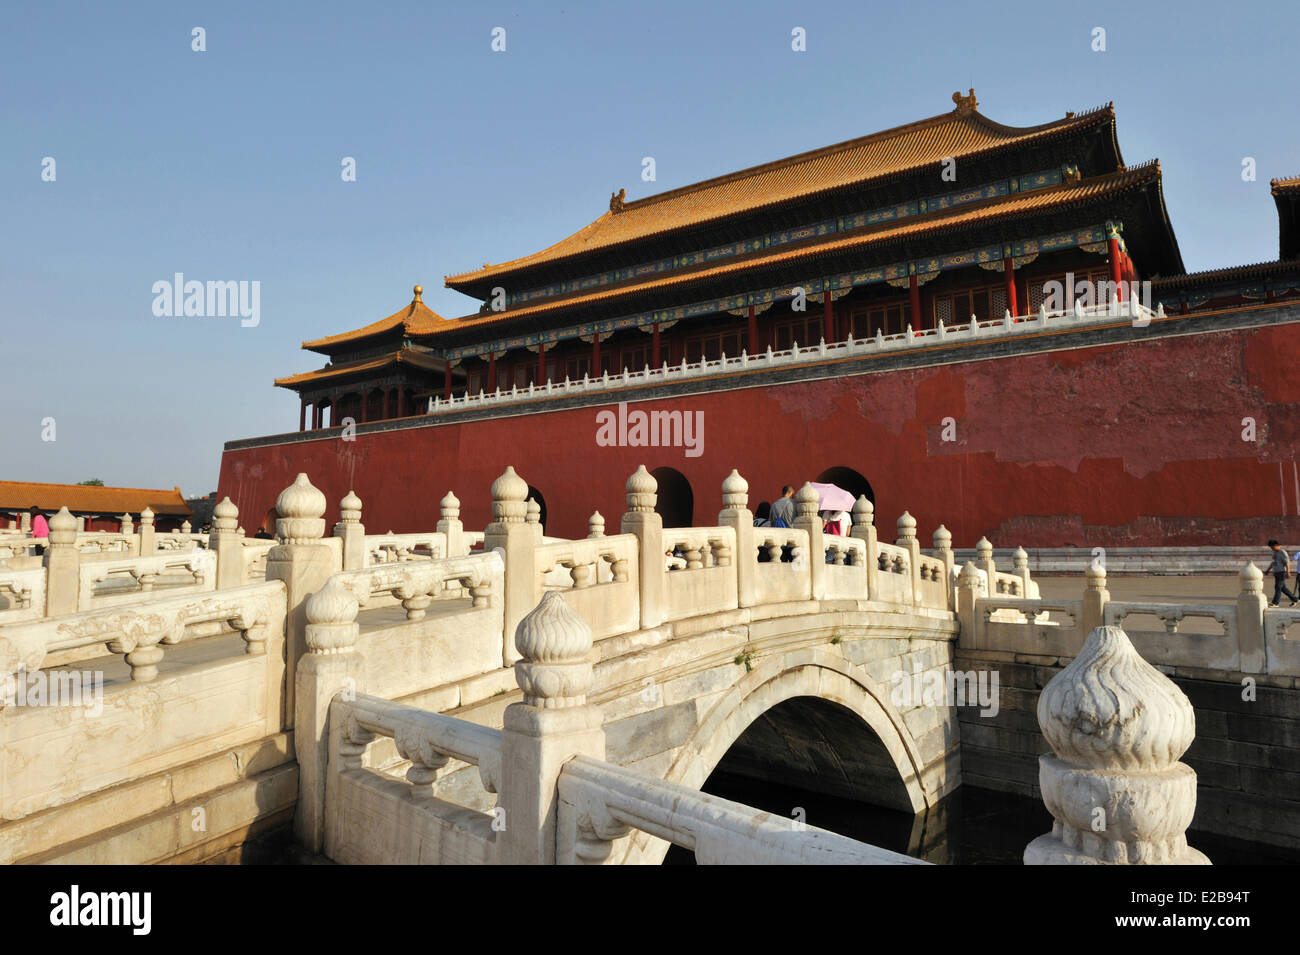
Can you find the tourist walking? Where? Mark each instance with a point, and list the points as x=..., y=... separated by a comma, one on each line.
x=783, y=509
x=1281, y=570
x=763, y=516
x=40, y=526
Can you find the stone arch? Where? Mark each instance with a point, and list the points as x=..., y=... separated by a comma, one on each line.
x=676, y=502
x=849, y=479
x=820, y=675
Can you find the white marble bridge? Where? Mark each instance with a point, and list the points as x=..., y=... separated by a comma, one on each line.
x=504, y=697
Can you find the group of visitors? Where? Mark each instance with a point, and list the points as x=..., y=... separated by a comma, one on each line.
x=781, y=514
x=1280, y=568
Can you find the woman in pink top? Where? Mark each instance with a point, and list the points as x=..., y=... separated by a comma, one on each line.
x=40, y=527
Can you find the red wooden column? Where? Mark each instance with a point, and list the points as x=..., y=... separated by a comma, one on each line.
x=401, y=402
x=914, y=299
x=386, y=390
x=492, y=372
x=541, y=363
x=446, y=380
x=1009, y=273
x=315, y=415
x=754, y=347
x=365, y=404
x=828, y=318
x=595, y=354
x=654, y=346
x=302, y=416
x=1116, y=275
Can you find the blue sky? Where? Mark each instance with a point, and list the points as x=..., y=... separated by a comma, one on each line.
x=225, y=164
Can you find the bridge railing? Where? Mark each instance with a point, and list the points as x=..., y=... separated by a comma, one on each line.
x=106, y=583
x=390, y=548
x=23, y=593
x=845, y=570
x=1244, y=636
x=558, y=800
x=699, y=573
x=598, y=576
x=600, y=802
x=69, y=732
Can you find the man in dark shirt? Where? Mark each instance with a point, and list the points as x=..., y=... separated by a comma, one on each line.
x=783, y=509
x=1280, y=569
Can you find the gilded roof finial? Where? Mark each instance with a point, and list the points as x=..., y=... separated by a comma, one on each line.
x=616, y=200
x=965, y=104
x=419, y=290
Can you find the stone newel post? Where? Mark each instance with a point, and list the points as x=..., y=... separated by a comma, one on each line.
x=1251, y=604
x=648, y=527
x=806, y=500
x=304, y=562
x=451, y=527
x=943, y=551
x=984, y=561
x=352, y=532
x=228, y=544
x=1095, y=597
x=553, y=724
x=907, y=540
x=25, y=522
x=596, y=525
x=533, y=518
x=735, y=513
x=147, y=545
x=127, y=527
x=1114, y=786
x=1021, y=561
x=62, y=565
x=969, y=589
x=185, y=527
x=864, y=529
x=331, y=664
x=518, y=540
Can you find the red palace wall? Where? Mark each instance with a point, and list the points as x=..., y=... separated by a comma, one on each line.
x=1136, y=444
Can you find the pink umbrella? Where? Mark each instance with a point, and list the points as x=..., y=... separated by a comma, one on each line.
x=833, y=498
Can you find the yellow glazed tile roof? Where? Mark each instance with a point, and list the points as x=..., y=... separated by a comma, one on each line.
x=1017, y=204
x=402, y=356
x=416, y=319
x=963, y=132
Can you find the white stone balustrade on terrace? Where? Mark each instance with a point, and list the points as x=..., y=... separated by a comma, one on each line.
x=105, y=583
x=153, y=715
x=974, y=330
x=1245, y=637
x=340, y=673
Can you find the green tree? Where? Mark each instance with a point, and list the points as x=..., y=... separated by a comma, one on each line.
x=93, y=482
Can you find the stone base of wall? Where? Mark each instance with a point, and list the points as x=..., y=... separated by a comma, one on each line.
x=204, y=811
x=1246, y=754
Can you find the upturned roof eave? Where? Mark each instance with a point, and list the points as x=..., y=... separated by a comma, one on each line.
x=465, y=282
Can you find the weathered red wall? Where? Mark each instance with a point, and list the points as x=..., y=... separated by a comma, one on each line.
x=1134, y=444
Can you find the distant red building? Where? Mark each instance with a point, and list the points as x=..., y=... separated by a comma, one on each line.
x=920, y=262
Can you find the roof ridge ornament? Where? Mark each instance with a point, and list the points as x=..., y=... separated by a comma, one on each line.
x=617, y=200
x=965, y=104
x=418, y=290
